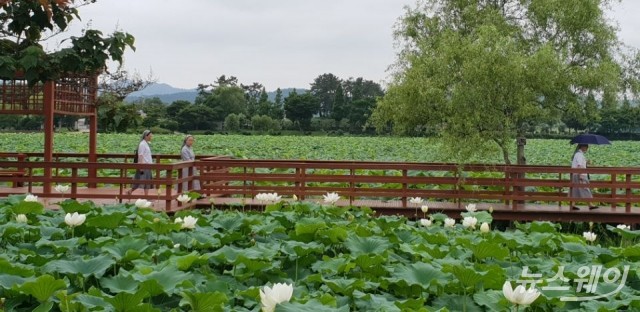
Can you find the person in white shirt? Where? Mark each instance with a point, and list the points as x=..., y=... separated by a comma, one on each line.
x=580, y=161
x=144, y=157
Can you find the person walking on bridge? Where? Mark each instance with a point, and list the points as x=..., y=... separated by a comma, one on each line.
x=583, y=191
x=144, y=157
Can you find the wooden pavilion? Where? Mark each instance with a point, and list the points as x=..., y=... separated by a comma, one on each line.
x=72, y=94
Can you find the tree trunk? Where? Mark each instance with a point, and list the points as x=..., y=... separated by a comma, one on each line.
x=520, y=154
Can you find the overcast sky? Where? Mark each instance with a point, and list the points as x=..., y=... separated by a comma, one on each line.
x=279, y=43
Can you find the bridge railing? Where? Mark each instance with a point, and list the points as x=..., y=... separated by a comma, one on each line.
x=353, y=180
x=169, y=179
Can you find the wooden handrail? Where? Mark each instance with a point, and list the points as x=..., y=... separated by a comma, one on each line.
x=439, y=182
x=353, y=180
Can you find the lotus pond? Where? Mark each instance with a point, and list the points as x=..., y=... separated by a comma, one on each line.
x=124, y=258
x=538, y=152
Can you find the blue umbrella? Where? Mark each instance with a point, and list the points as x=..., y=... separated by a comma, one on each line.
x=588, y=138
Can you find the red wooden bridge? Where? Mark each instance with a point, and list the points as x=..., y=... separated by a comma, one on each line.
x=512, y=192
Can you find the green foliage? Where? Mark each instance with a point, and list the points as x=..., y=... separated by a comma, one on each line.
x=300, y=109
x=337, y=259
x=538, y=151
x=25, y=22
x=484, y=74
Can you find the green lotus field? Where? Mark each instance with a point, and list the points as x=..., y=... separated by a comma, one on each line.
x=538, y=152
x=302, y=256
x=124, y=258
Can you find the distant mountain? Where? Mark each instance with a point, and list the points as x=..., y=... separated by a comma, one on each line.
x=168, y=94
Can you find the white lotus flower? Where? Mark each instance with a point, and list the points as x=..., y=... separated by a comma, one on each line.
x=624, y=227
x=469, y=222
x=589, y=236
x=268, y=197
x=484, y=228
x=60, y=188
x=520, y=295
x=21, y=218
x=177, y=220
x=269, y=297
x=331, y=198
x=415, y=200
x=143, y=203
x=189, y=222
x=425, y=222
x=31, y=198
x=176, y=246
x=448, y=222
x=424, y=208
x=184, y=198
x=471, y=207
x=74, y=219
x=295, y=198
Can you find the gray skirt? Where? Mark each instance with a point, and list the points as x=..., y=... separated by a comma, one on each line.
x=144, y=174
x=580, y=192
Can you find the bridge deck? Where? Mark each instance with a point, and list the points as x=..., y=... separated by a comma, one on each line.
x=522, y=212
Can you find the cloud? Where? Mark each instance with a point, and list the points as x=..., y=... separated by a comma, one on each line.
x=279, y=43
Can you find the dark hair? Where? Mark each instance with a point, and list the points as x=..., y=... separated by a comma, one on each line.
x=577, y=149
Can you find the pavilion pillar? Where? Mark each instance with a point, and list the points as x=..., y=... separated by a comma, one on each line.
x=48, y=102
x=93, y=134
x=93, y=155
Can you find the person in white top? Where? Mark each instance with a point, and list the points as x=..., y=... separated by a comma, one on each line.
x=580, y=161
x=144, y=157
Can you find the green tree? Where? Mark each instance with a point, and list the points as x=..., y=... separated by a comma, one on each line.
x=359, y=112
x=232, y=122
x=359, y=88
x=225, y=100
x=574, y=116
x=300, y=109
x=174, y=108
x=196, y=117
x=340, y=108
x=155, y=111
x=264, y=105
x=483, y=72
x=253, y=94
x=25, y=23
x=116, y=116
x=278, y=98
x=323, y=88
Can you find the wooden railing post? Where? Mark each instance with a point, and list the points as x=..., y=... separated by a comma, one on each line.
x=168, y=190
x=352, y=186
x=48, y=103
x=613, y=191
x=628, y=193
x=404, y=188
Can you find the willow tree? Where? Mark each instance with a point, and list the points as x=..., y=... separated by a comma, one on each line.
x=480, y=73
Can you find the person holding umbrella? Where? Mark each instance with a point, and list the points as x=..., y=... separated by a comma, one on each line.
x=580, y=161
